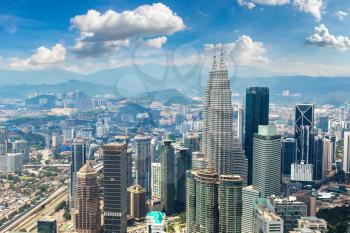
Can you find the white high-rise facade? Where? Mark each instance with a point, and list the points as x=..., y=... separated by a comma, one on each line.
x=249, y=195
x=218, y=144
x=156, y=181
x=346, y=156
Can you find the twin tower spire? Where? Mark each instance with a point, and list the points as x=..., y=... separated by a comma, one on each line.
x=222, y=66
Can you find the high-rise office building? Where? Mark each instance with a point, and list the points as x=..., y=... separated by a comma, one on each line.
x=143, y=161
x=183, y=162
x=167, y=161
x=304, y=124
x=239, y=161
x=207, y=194
x=230, y=203
x=199, y=161
x=257, y=113
x=240, y=125
x=289, y=147
x=21, y=146
x=318, y=157
x=47, y=225
x=289, y=209
x=323, y=123
x=329, y=149
x=156, y=181
x=14, y=162
x=192, y=141
x=266, y=221
x=137, y=202
x=202, y=207
x=86, y=213
x=80, y=151
x=267, y=161
x=249, y=195
x=115, y=187
x=301, y=172
x=346, y=156
x=217, y=119
x=3, y=140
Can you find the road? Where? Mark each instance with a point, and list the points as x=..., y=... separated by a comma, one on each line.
x=29, y=219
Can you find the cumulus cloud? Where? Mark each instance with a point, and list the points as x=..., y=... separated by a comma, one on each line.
x=322, y=38
x=341, y=15
x=99, y=32
x=42, y=57
x=243, y=51
x=156, y=42
x=313, y=7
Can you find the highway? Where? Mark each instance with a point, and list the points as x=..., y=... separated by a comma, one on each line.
x=28, y=220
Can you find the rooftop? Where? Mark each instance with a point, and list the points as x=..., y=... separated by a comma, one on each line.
x=156, y=216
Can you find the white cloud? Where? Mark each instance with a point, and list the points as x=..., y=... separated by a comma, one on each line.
x=313, y=7
x=42, y=57
x=322, y=38
x=156, y=42
x=243, y=51
x=341, y=15
x=99, y=32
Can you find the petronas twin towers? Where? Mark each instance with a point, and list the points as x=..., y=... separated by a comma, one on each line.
x=217, y=120
x=214, y=195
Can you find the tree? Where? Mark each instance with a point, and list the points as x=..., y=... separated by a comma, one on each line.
x=67, y=215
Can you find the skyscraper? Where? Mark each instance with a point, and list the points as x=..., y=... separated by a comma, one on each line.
x=239, y=161
x=257, y=113
x=137, y=202
x=192, y=141
x=86, y=214
x=114, y=187
x=80, y=150
x=156, y=181
x=289, y=147
x=183, y=162
x=240, y=125
x=346, y=156
x=249, y=195
x=21, y=146
x=318, y=157
x=143, y=161
x=230, y=203
x=267, y=161
x=329, y=149
x=167, y=160
x=217, y=119
x=3, y=140
x=304, y=124
x=202, y=207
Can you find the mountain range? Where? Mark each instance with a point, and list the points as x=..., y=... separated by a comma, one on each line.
x=148, y=80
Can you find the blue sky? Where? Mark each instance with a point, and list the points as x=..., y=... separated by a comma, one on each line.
x=284, y=37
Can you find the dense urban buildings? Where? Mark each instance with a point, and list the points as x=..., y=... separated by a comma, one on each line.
x=114, y=187
x=256, y=113
x=266, y=221
x=249, y=196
